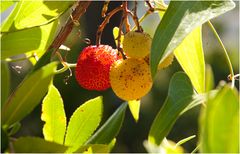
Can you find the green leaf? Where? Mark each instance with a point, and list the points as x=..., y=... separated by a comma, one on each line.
x=83, y=123
x=179, y=20
x=110, y=128
x=94, y=148
x=209, y=78
x=185, y=140
x=179, y=97
x=115, y=35
x=5, y=82
x=191, y=57
x=37, y=145
x=28, y=94
x=53, y=115
x=4, y=140
x=28, y=14
x=134, y=107
x=5, y=5
x=219, y=122
x=35, y=40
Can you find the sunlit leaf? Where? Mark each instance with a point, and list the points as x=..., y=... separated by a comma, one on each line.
x=6, y=4
x=110, y=128
x=209, y=78
x=115, y=35
x=28, y=94
x=5, y=82
x=83, y=123
x=219, y=122
x=134, y=107
x=37, y=145
x=28, y=14
x=53, y=115
x=180, y=95
x=94, y=148
x=191, y=57
x=35, y=39
x=179, y=20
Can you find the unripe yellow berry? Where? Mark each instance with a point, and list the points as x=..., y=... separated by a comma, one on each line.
x=137, y=44
x=130, y=79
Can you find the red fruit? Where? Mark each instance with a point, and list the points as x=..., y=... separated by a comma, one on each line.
x=93, y=67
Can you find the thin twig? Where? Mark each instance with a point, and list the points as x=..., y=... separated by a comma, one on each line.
x=125, y=14
x=66, y=30
x=105, y=8
x=105, y=21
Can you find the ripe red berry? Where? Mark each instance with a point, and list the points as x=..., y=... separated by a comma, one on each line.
x=93, y=66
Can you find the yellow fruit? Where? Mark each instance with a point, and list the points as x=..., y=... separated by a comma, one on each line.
x=130, y=79
x=137, y=44
x=166, y=62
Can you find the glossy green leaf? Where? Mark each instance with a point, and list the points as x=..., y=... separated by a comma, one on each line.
x=179, y=20
x=53, y=115
x=134, y=107
x=110, y=128
x=27, y=95
x=191, y=57
x=35, y=39
x=37, y=145
x=94, y=148
x=180, y=95
x=5, y=82
x=219, y=123
x=83, y=123
x=28, y=14
x=209, y=78
x=115, y=35
x=6, y=4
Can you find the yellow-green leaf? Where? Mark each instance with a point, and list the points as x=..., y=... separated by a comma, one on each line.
x=53, y=115
x=115, y=35
x=83, y=123
x=134, y=107
x=191, y=57
x=28, y=94
x=37, y=145
x=6, y=4
x=209, y=78
x=219, y=122
x=94, y=148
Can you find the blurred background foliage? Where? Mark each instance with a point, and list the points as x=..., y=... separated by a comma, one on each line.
x=133, y=134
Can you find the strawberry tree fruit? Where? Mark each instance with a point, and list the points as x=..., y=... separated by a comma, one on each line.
x=137, y=44
x=130, y=79
x=93, y=66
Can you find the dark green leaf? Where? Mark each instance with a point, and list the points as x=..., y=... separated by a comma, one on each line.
x=6, y=4
x=219, y=122
x=5, y=82
x=179, y=97
x=14, y=128
x=94, y=148
x=191, y=57
x=4, y=141
x=35, y=40
x=37, y=145
x=28, y=14
x=28, y=94
x=83, y=123
x=179, y=20
x=110, y=128
x=53, y=115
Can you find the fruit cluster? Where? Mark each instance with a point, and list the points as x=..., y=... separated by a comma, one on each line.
x=100, y=67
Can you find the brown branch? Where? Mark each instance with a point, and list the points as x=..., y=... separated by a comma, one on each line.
x=125, y=14
x=66, y=30
x=151, y=8
x=105, y=8
x=105, y=21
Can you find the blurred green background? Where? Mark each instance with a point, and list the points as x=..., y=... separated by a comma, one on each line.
x=133, y=134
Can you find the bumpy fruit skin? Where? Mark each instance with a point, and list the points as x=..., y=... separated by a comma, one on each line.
x=93, y=66
x=137, y=44
x=166, y=62
x=130, y=79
